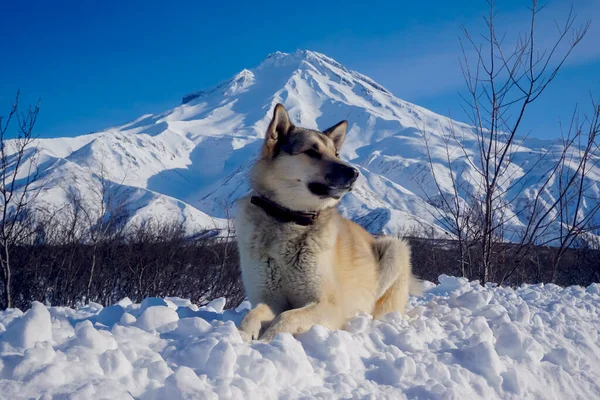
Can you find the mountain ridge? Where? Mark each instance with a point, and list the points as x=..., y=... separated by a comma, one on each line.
x=189, y=163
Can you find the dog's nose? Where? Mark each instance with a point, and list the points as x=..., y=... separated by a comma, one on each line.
x=341, y=175
x=350, y=174
x=353, y=174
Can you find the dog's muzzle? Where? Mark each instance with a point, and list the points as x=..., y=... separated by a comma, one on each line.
x=338, y=181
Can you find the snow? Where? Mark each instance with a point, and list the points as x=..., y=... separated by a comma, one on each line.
x=189, y=164
x=459, y=340
x=34, y=326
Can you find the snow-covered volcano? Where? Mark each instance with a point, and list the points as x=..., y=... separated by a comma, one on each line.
x=190, y=163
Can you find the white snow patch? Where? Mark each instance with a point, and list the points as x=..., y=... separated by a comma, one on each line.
x=34, y=326
x=459, y=340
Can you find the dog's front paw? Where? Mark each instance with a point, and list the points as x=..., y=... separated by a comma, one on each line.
x=245, y=337
x=280, y=325
x=268, y=336
x=249, y=328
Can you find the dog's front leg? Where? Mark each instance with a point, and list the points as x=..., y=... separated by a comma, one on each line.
x=257, y=319
x=302, y=319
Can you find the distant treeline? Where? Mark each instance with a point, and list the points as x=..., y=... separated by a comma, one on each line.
x=513, y=266
x=160, y=260
x=151, y=260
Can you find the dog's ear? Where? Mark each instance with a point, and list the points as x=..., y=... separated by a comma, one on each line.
x=279, y=127
x=337, y=133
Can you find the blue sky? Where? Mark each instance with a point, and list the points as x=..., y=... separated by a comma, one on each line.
x=96, y=64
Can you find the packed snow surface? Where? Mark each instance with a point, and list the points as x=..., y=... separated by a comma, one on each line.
x=458, y=341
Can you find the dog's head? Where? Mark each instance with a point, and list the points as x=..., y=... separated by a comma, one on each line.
x=300, y=168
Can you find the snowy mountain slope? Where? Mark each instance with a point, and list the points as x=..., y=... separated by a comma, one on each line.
x=459, y=341
x=190, y=163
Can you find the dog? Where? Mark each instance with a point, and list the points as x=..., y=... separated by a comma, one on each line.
x=302, y=263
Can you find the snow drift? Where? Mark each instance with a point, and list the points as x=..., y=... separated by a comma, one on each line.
x=459, y=340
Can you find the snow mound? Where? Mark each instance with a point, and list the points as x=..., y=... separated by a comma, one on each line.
x=34, y=326
x=459, y=340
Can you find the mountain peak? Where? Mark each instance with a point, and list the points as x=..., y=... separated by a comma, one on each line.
x=318, y=61
x=298, y=54
x=291, y=62
x=279, y=58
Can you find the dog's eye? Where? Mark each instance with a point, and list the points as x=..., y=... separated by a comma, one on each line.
x=337, y=155
x=312, y=153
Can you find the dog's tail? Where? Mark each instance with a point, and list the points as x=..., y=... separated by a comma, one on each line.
x=394, y=256
x=415, y=286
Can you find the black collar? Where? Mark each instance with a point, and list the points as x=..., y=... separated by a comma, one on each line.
x=283, y=214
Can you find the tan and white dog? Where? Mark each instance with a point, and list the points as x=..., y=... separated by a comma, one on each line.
x=302, y=262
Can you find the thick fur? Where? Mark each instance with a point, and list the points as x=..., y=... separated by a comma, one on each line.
x=298, y=276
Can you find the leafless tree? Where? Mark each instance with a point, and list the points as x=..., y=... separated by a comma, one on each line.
x=455, y=214
x=574, y=208
x=104, y=211
x=502, y=81
x=574, y=181
x=227, y=274
x=19, y=185
x=81, y=251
